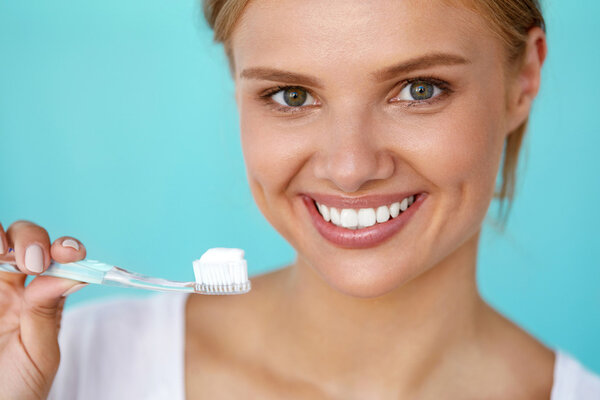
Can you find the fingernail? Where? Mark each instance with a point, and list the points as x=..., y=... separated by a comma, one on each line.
x=34, y=258
x=73, y=289
x=70, y=243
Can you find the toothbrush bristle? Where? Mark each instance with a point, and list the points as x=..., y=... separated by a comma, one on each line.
x=221, y=278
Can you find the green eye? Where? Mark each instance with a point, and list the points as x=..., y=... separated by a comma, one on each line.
x=419, y=90
x=292, y=96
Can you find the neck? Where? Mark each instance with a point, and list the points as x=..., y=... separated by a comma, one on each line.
x=399, y=337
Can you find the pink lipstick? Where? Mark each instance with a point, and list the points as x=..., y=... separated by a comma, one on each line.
x=365, y=237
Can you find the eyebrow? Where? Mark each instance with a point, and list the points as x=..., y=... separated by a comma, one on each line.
x=418, y=63
x=272, y=74
x=423, y=62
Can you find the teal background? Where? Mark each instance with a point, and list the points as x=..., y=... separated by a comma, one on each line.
x=118, y=126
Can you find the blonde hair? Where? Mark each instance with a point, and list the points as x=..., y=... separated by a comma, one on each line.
x=510, y=20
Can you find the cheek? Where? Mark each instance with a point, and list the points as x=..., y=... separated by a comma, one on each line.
x=461, y=159
x=273, y=154
x=467, y=152
x=461, y=149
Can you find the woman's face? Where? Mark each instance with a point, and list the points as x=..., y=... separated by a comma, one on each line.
x=358, y=105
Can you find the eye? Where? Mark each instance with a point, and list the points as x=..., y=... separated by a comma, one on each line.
x=419, y=90
x=292, y=96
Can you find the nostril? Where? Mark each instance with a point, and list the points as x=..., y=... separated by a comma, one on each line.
x=350, y=168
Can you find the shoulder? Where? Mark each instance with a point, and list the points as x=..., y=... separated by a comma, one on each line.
x=572, y=380
x=112, y=349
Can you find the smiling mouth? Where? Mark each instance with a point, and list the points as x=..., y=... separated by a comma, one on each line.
x=352, y=225
x=352, y=218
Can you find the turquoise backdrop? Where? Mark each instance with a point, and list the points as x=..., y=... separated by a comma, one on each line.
x=118, y=126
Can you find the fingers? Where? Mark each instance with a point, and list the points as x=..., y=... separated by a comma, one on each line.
x=32, y=246
x=40, y=316
x=8, y=257
x=67, y=249
x=32, y=250
x=3, y=242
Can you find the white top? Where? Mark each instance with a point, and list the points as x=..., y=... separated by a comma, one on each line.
x=133, y=349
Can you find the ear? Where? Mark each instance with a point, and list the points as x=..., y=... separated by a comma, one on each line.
x=525, y=82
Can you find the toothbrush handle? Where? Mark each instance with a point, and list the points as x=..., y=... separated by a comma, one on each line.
x=90, y=271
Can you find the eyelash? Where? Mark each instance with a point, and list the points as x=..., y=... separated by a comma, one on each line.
x=266, y=97
x=440, y=84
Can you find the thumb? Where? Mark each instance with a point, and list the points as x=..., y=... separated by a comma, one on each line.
x=40, y=318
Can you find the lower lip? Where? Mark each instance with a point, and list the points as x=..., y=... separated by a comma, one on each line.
x=364, y=237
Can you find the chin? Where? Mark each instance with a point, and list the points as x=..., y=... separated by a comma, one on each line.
x=365, y=280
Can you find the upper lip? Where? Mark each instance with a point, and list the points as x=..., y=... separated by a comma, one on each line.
x=367, y=201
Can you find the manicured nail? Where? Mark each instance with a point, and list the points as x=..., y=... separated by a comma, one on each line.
x=73, y=289
x=34, y=258
x=70, y=243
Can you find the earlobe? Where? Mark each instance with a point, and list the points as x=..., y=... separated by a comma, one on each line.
x=527, y=82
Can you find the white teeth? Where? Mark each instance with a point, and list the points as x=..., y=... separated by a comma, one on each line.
x=349, y=218
x=335, y=216
x=404, y=204
x=324, y=211
x=366, y=217
x=383, y=214
x=395, y=209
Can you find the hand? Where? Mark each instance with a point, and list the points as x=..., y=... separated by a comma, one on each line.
x=30, y=316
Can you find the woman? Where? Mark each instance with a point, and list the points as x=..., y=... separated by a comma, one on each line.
x=372, y=134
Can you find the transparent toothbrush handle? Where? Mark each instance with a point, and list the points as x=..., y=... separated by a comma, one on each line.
x=9, y=268
x=90, y=271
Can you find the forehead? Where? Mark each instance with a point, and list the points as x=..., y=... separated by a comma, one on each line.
x=354, y=32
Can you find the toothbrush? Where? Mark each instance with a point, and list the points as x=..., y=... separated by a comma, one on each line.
x=219, y=271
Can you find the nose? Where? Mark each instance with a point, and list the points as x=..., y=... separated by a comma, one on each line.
x=351, y=153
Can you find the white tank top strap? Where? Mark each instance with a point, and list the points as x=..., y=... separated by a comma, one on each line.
x=572, y=380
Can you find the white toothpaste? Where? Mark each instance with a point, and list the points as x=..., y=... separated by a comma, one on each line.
x=219, y=262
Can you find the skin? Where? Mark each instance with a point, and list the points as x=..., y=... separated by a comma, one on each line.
x=403, y=319
x=30, y=316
